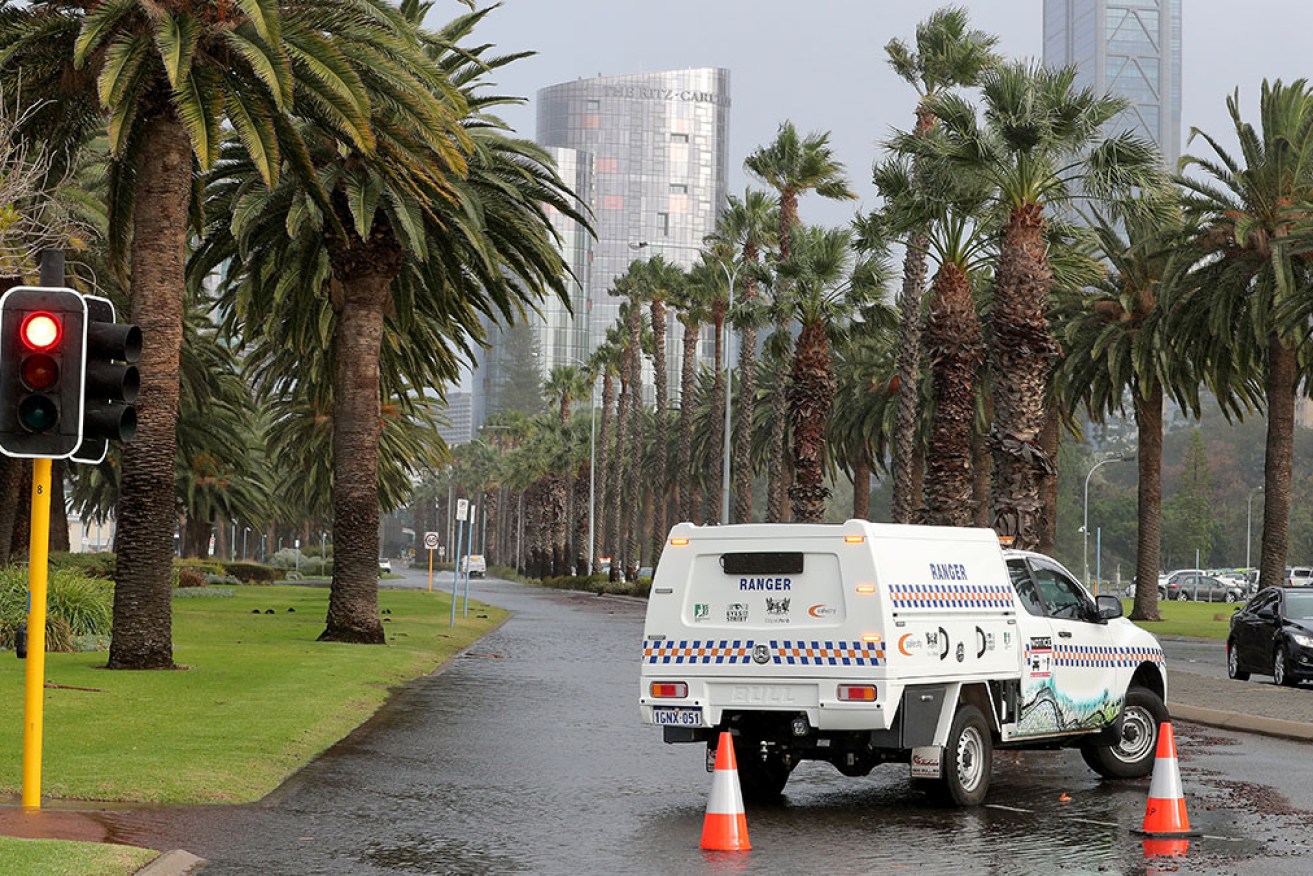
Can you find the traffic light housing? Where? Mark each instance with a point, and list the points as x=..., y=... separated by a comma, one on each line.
x=111, y=381
x=42, y=342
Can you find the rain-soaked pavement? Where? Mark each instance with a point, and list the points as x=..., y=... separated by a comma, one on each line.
x=526, y=756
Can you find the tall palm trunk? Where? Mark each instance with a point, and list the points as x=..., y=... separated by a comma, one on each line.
x=1282, y=379
x=143, y=609
x=658, y=492
x=1051, y=440
x=357, y=339
x=862, y=489
x=581, y=547
x=1149, y=501
x=1020, y=359
x=777, y=473
x=955, y=350
x=634, y=467
x=717, y=408
x=745, y=405
x=604, y=472
x=491, y=506
x=619, y=476
x=907, y=492
x=687, y=380
x=811, y=395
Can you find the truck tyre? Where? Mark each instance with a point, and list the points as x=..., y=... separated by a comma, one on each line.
x=762, y=781
x=1233, y=669
x=968, y=758
x=1132, y=757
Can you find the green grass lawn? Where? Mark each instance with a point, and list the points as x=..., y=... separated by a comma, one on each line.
x=259, y=698
x=1207, y=620
x=55, y=858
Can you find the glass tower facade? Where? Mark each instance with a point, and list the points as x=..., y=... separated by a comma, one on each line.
x=659, y=144
x=1130, y=48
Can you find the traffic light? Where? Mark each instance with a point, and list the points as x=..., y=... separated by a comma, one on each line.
x=111, y=381
x=42, y=337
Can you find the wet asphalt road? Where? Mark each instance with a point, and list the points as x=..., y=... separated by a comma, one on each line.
x=526, y=755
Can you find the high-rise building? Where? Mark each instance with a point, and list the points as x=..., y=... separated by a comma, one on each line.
x=1130, y=48
x=648, y=154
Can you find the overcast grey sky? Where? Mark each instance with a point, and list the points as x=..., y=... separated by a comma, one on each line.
x=822, y=64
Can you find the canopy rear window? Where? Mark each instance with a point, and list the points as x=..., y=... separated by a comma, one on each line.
x=762, y=563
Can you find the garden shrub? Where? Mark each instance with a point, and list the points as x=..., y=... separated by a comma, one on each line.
x=189, y=577
x=205, y=567
x=76, y=607
x=99, y=565
x=252, y=573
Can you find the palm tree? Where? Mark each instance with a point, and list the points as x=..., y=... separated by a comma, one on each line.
x=692, y=309
x=1253, y=272
x=944, y=210
x=749, y=225
x=606, y=359
x=827, y=289
x=948, y=55
x=861, y=420
x=414, y=242
x=1118, y=340
x=659, y=282
x=564, y=383
x=792, y=166
x=165, y=84
x=1039, y=141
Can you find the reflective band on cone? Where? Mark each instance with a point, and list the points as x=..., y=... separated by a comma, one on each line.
x=1164, y=814
x=726, y=826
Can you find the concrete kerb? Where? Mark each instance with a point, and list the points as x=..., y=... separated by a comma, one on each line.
x=176, y=862
x=1247, y=723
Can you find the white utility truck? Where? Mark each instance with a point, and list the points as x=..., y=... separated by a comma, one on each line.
x=864, y=643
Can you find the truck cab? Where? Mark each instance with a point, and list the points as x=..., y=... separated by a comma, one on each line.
x=862, y=643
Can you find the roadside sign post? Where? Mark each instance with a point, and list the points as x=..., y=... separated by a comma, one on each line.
x=469, y=545
x=462, y=512
x=431, y=545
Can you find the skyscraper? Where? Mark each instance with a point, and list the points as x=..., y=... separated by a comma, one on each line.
x=1130, y=48
x=648, y=155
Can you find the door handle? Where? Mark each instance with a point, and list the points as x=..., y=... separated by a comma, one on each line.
x=1064, y=634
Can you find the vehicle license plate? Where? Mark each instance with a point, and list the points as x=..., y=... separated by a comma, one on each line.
x=677, y=717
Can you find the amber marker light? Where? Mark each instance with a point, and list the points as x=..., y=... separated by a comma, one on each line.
x=854, y=539
x=872, y=637
x=678, y=542
x=866, y=589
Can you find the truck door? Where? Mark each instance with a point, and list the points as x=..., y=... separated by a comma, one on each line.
x=1065, y=682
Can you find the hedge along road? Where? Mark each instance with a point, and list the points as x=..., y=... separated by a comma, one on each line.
x=526, y=755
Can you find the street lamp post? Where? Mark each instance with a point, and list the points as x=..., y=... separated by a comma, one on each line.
x=1085, y=528
x=1249, y=517
x=244, y=532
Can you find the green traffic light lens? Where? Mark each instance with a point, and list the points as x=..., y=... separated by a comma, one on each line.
x=36, y=413
x=40, y=372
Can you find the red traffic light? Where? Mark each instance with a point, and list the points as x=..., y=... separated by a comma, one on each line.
x=39, y=371
x=40, y=330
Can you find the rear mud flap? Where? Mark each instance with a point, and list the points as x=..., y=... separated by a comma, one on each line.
x=926, y=762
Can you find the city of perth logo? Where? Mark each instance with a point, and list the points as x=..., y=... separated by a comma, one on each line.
x=777, y=610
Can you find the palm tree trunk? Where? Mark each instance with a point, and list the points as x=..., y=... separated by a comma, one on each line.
x=143, y=592
x=810, y=396
x=777, y=485
x=1149, y=501
x=906, y=499
x=1020, y=359
x=604, y=472
x=357, y=426
x=687, y=381
x=619, y=476
x=744, y=406
x=980, y=460
x=717, y=455
x=862, y=489
x=955, y=350
x=634, y=469
x=1282, y=379
x=1051, y=440
x=581, y=546
x=490, y=509
x=657, y=494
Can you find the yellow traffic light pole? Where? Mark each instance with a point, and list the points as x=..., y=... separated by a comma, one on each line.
x=35, y=689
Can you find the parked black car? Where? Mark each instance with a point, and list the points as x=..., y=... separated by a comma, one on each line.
x=1273, y=635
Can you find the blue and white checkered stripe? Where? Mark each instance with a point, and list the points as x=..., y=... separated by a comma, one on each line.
x=783, y=652
x=1102, y=657
x=694, y=651
x=816, y=653
x=951, y=595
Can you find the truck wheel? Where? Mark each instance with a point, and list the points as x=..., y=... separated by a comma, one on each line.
x=1132, y=757
x=1233, y=669
x=761, y=781
x=968, y=758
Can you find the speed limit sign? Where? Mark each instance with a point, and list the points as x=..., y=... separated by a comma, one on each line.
x=431, y=541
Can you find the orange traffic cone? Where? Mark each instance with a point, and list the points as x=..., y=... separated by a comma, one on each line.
x=726, y=826
x=1164, y=814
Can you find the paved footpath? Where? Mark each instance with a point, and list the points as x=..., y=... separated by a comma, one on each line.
x=1252, y=706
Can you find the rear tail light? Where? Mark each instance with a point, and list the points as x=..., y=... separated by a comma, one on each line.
x=669, y=690
x=857, y=693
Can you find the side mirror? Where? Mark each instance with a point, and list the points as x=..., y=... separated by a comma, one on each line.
x=1110, y=607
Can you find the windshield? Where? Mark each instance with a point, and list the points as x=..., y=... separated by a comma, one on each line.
x=1299, y=605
